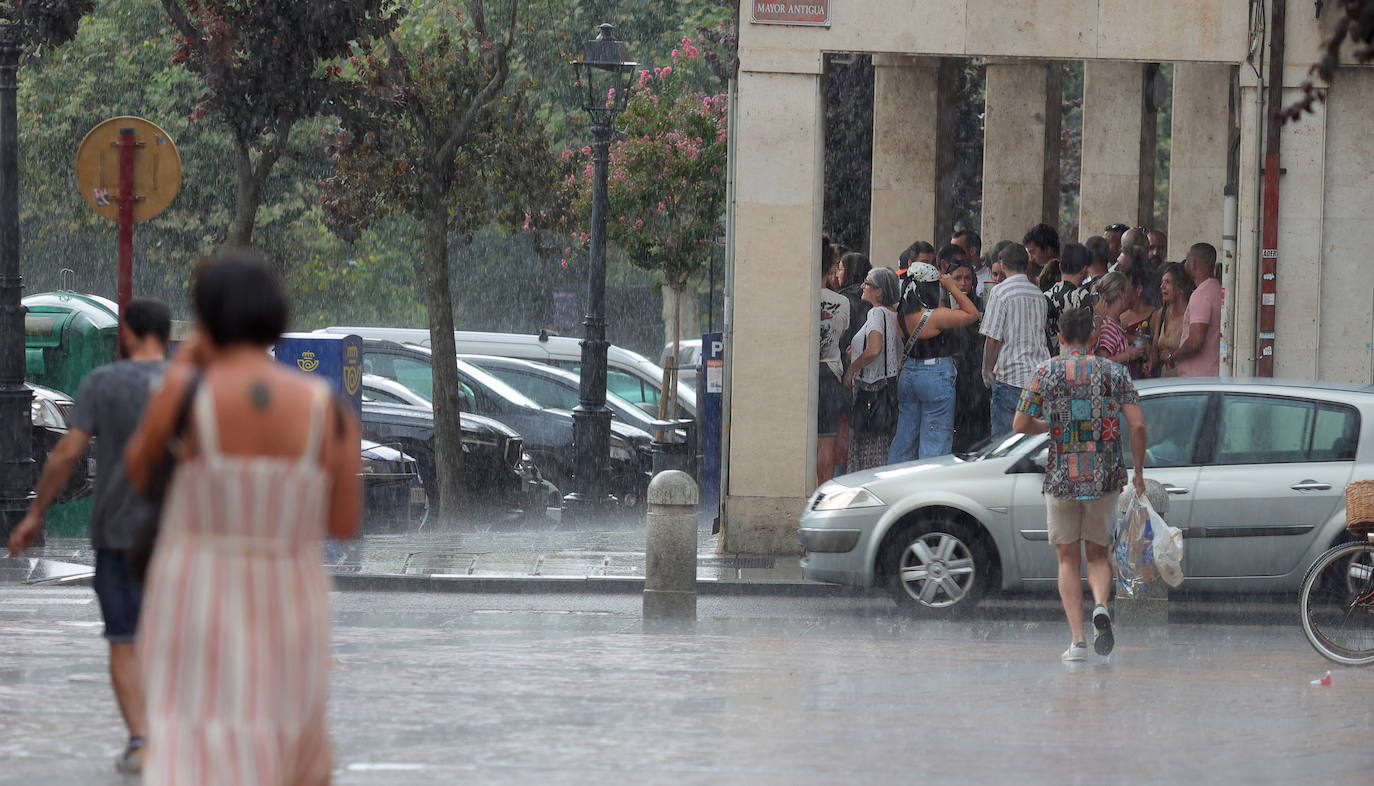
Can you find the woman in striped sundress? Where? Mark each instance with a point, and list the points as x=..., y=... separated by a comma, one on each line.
x=234, y=644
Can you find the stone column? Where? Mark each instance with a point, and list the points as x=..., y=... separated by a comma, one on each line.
x=1020, y=148
x=776, y=289
x=1111, y=170
x=1198, y=155
x=905, y=130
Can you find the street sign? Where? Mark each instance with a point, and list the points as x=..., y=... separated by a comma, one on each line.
x=138, y=160
x=791, y=12
x=156, y=171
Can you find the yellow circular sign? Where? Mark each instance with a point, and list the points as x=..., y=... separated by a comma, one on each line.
x=157, y=168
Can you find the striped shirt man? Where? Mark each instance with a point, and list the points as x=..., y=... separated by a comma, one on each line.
x=1015, y=315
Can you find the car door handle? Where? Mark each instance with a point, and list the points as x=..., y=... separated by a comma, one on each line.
x=1310, y=485
x=1172, y=489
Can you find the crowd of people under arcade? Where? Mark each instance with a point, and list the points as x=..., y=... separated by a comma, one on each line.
x=930, y=356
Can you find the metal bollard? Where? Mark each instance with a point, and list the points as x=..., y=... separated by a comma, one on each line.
x=670, y=573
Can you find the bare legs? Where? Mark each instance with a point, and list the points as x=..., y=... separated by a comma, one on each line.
x=825, y=459
x=128, y=692
x=1071, y=584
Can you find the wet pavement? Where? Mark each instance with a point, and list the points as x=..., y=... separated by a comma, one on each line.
x=438, y=688
x=603, y=553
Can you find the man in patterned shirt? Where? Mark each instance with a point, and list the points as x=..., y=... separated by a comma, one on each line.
x=1081, y=399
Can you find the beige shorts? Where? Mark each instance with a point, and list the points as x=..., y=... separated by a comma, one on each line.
x=1072, y=520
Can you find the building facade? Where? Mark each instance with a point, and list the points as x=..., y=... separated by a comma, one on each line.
x=1221, y=50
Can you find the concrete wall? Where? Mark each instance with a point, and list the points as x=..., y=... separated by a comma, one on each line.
x=1345, y=322
x=1159, y=30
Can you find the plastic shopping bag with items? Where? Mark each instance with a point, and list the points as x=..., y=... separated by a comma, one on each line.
x=1132, y=551
x=1144, y=547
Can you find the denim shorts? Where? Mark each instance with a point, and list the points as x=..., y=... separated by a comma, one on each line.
x=119, y=594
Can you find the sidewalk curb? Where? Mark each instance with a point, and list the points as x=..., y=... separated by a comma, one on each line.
x=352, y=582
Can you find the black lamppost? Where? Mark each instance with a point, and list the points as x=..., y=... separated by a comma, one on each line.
x=16, y=436
x=605, y=74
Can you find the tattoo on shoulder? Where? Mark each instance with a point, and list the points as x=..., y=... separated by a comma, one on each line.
x=260, y=395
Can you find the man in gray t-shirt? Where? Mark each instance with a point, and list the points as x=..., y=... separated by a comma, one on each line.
x=109, y=405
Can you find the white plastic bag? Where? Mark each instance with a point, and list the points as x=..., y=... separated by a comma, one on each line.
x=1132, y=552
x=1168, y=547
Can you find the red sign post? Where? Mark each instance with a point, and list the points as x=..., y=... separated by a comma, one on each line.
x=138, y=162
x=127, y=146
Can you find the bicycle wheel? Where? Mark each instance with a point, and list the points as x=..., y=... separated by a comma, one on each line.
x=1337, y=602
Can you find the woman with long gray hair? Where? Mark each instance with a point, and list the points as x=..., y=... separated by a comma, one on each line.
x=875, y=358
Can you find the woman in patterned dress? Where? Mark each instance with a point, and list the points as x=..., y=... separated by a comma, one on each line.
x=235, y=639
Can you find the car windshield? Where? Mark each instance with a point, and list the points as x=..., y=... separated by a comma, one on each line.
x=995, y=447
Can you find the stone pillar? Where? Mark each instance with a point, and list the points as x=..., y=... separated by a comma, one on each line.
x=1119, y=140
x=1198, y=155
x=1020, y=148
x=905, y=151
x=1113, y=115
x=776, y=288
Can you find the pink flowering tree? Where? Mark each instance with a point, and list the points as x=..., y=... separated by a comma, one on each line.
x=667, y=178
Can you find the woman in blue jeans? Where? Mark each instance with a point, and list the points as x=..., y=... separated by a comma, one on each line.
x=925, y=387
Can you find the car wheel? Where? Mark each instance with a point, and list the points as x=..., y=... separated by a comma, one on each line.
x=936, y=567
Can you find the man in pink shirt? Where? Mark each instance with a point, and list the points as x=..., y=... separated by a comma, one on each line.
x=1199, y=354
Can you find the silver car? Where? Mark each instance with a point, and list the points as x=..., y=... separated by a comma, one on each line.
x=1255, y=469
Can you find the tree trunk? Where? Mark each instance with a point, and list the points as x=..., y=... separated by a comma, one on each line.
x=247, y=196
x=448, y=424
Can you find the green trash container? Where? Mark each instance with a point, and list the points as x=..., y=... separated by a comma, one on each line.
x=65, y=336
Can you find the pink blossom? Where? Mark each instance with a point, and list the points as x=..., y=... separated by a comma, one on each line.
x=586, y=151
x=527, y=222
x=662, y=207
x=639, y=223
x=676, y=55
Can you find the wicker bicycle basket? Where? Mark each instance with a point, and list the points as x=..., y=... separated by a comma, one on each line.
x=1359, y=506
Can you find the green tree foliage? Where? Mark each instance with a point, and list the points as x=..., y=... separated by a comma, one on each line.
x=120, y=63
x=267, y=66
x=434, y=133
x=43, y=24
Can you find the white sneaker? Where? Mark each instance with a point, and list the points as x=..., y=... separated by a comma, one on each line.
x=1077, y=651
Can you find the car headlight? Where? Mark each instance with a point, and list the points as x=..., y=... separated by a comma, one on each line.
x=848, y=498
x=43, y=415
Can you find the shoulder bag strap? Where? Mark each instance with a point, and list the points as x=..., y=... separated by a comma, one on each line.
x=915, y=334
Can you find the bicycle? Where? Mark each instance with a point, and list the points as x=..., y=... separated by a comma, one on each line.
x=1337, y=602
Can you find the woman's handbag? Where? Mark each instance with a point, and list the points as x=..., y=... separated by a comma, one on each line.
x=140, y=553
x=875, y=411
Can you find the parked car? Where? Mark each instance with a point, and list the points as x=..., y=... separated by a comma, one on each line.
x=389, y=391
x=498, y=475
x=688, y=360
x=1255, y=471
x=393, y=495
x=49, y=414
x=629, y=375
x=547, y=432
x=550, y=386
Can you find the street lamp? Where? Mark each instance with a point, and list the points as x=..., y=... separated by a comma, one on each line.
x=16, y=436
x=604, y=75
